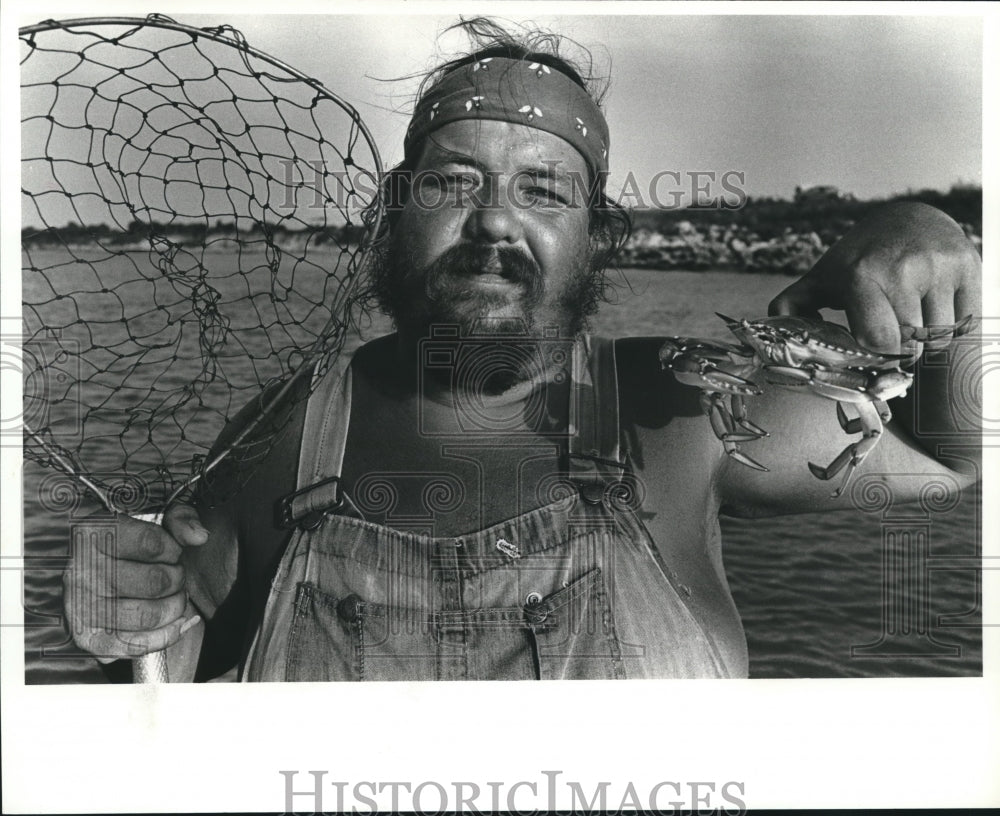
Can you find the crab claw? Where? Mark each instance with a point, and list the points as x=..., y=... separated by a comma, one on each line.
x=788, y=375
x=965, y=325
x=704, y=374
x=729, y=381
x=925, y=334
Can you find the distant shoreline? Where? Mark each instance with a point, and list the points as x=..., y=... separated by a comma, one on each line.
x=769, y=236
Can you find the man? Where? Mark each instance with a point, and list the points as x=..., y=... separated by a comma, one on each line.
x=489, y=493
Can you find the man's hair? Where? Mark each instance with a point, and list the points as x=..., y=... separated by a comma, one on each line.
x=610, y=223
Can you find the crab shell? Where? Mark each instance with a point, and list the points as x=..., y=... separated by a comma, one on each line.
x=797, y=341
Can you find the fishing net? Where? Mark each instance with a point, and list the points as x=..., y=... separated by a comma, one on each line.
x=194, y=216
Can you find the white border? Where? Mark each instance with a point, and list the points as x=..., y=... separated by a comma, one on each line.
x=850, y=743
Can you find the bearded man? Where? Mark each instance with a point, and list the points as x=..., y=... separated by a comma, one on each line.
x=489, y=492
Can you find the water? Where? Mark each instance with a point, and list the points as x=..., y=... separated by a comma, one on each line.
x=811, y=588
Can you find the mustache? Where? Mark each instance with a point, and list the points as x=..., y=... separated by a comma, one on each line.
x=469, y=260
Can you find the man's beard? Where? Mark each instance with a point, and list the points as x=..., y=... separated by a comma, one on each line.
x=445, y=293
x=453, y=297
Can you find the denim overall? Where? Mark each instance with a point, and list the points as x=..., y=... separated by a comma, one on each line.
x=574, y=589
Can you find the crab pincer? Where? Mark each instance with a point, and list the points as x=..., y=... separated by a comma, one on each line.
x=926, y=334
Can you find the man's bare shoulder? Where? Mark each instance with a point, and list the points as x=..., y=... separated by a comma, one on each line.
x=649, y=396
x=663, y=424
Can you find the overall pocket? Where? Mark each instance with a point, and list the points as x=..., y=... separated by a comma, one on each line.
x=320, y=646
x=352, y=639
x=573, y=633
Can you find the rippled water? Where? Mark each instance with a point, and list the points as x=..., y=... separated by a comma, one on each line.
x=886, y=592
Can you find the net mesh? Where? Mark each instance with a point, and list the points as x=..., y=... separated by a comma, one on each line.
x=193, y=224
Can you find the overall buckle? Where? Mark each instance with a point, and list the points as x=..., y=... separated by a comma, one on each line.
x=296, y=510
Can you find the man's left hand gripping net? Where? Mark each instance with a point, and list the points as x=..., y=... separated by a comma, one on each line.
x=193, y=225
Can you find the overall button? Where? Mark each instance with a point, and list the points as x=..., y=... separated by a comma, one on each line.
x=534, y=611
x=591, y=492
x=349, y=609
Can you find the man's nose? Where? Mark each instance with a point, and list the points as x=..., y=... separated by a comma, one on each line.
x=494, y=218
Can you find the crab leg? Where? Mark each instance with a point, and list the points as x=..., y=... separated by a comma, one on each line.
x=724, y=427
x=851, y=426
x=884, y=412
x=855, y=453
x=739, y=410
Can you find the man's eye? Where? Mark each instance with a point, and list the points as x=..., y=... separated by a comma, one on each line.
x=450, y=182
x=547, y=195
x=461, y=181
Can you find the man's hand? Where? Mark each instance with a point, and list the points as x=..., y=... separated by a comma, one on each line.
x=907, y=264
x=129, y=599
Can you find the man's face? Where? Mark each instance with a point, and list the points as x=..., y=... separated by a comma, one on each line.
x=494, y=236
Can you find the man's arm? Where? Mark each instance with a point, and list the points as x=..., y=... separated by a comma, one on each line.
x=907, y=264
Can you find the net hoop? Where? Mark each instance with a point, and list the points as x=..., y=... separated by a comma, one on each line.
x=328, y=340
x=227, y=35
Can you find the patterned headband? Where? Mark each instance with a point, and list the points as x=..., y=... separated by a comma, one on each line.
x=519, y=91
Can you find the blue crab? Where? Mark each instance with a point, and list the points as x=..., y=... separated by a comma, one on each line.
x=790, y=352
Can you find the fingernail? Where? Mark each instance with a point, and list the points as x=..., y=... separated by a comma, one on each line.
x=190, y=623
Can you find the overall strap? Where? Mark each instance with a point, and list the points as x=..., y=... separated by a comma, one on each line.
x=321, y=453
x=595, y=456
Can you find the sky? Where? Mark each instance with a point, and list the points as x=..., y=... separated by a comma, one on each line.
x=871, y=104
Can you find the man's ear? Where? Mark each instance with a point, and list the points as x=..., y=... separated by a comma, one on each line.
x=395, y=194
x=609, y=229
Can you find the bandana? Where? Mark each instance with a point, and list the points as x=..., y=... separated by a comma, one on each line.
x=512, y=90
